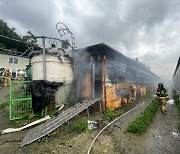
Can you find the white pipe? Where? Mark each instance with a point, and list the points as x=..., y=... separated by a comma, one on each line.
x=11, y=130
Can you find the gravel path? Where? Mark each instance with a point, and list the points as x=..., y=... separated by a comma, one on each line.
x=161, y=137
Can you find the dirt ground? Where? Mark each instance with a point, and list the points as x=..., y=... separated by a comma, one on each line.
x=4, y=94
x=161, y=137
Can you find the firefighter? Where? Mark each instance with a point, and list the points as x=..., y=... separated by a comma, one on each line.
x=162, y=96
x=21, y=74
x=7, y=77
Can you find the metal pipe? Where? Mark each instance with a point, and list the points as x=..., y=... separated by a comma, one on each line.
x=100, y=107
x=44, y=58
x=25, y=51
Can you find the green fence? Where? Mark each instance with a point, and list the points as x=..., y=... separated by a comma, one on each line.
x=20, y=100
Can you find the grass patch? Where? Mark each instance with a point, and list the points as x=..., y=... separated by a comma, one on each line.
x=141, y=123
x=110, y=115
x=3, y=105
x=177, y=102
x=78, y=126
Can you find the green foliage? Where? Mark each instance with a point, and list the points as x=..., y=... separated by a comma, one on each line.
x=30, y=38
x=177, y=102
x=9, y=32
x=3, y=46
x=53, y=113
x=45, y=140
x=140, y=124
x=110, y=115
x=53, y=133
x=78, y=126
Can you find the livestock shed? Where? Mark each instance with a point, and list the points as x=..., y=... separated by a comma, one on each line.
x=101, y=71
x=176, y=77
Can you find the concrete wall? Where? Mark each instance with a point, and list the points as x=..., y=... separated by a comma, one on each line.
x=4, y=62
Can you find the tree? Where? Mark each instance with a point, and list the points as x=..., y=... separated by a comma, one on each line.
x=30, y=38
x=9, y=32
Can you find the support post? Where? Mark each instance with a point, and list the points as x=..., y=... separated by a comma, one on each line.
x=88, y=111
x=93, y=81
x=100, y=107
x=103, y=83
x=68, y=122
x=44, y=58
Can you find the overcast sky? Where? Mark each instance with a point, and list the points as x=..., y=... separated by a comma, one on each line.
x=148, y=29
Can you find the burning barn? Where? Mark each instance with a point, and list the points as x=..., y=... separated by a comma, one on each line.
x=98, y=71
x=101, y=71
x=99, y=74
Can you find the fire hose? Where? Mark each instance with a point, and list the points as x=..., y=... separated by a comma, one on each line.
x=110, y=124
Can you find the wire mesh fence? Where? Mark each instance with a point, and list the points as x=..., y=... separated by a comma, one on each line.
x=20, y=100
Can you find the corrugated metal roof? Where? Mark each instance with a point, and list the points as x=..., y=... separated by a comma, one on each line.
x=15, y=44
x=111, y=53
